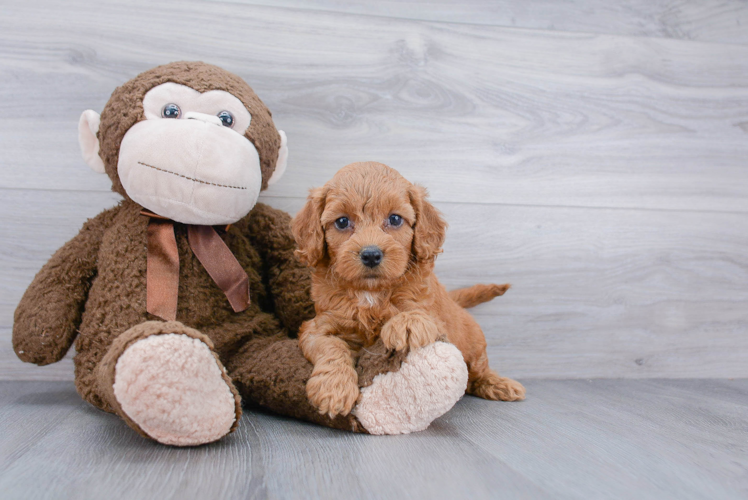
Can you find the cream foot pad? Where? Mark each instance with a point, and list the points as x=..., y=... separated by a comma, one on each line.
x=173, y=388
x=430, y=381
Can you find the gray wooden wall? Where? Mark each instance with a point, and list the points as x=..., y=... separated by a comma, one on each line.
x=592, y=153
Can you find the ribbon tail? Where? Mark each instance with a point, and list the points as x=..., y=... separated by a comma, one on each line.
x=162, y=272
x=221, y=264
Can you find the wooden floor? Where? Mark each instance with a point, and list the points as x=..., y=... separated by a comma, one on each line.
x=644, y=439
x=594, y=153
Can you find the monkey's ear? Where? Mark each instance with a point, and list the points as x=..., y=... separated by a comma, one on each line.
x=88, y=126
x=280, y=165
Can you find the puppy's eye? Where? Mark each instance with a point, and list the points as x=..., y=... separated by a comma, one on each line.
x=395, y=220
x=342, y=223
x=171, y=110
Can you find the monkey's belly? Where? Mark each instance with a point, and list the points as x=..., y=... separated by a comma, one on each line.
x=117, y=298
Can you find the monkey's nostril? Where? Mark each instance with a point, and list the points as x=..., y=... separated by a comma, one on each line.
x=371, y=256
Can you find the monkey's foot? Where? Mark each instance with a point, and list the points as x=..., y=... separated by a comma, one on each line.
x=430, y=381
x=175, y=390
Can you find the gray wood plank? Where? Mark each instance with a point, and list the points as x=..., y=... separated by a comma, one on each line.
x=267, y=457
x=12, y=368
x=597, y=293
x=479, y=113
x=711, y=20
x=603, y=175
x=615, y=439
x=608, y=184
x=570, y=439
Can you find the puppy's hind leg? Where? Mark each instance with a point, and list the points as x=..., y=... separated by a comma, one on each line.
x=487, y=384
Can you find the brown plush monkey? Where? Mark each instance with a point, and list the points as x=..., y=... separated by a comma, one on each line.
x=182, y=296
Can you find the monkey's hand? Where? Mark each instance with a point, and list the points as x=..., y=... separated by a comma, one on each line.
x=46, y=320
x=412, y=329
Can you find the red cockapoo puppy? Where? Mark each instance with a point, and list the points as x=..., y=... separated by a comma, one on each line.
x=372, y=239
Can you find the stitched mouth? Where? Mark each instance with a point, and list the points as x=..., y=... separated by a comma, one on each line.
x=190, y=178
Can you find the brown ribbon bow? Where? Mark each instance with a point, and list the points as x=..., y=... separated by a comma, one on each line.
x=162, y=275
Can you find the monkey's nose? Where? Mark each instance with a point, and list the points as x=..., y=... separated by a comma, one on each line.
x=192, y=115
x=371, y=256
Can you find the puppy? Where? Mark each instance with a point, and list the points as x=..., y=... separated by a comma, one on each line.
x=372, y=239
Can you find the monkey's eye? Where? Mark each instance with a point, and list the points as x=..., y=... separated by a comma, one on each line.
x=395, y=220
x=342, y=223
x=226, y=118
x=171, y=110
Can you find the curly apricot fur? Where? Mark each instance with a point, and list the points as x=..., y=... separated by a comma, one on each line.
x=399, y=300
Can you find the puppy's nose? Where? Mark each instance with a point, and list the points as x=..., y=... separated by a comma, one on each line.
x=371, y=256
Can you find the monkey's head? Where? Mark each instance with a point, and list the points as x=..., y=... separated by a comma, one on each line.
x=188, y=141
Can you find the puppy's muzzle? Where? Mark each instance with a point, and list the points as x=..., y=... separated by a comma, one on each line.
x=371, y=256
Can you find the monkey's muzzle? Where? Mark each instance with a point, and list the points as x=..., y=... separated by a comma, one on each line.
x=190, y=171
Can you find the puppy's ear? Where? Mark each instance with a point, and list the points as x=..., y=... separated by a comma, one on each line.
x=429, y=229
x=307, y=229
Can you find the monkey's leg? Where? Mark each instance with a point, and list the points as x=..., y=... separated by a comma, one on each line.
x=431, y=379
x=401, y=392
x=166, y=382
x=272, y=372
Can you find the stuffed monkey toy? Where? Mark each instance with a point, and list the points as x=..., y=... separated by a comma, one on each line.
x=181, y=299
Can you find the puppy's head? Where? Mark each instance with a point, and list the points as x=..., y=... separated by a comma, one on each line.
x=368, y=225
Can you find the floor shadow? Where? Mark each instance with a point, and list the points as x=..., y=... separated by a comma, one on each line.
x=64, y=395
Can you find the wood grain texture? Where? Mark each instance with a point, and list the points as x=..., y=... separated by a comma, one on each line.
x=491, y=115
x=602, y=175
x=604, y=292
x=711, y=20
x=652, y=439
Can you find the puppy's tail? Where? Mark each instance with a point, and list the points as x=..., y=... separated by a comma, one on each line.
x=477, y=294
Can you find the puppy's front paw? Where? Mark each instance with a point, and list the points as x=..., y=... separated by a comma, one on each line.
x=412, y=329
x=333, y=392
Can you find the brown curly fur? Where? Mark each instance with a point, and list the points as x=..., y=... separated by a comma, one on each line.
x=400, y=301
x=94, y=287
x=125, y=109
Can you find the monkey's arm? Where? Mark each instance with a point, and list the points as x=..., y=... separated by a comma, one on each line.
x=47, y=318
x=290, y=281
